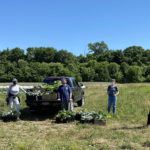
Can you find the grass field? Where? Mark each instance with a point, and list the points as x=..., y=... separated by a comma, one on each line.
x=125, y=130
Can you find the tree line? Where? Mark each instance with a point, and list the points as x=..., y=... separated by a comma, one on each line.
x=100, y=64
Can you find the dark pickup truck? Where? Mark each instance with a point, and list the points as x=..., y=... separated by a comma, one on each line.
x=44, y=101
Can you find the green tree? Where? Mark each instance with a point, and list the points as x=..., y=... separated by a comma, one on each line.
x=87, y=73
x=117, y=56
x=97, y=47
x=134, y=74
x=105, y=56
x=134, y=54
x=124, y=69
x=65, y=57
x=101, y=72
x=114, y=71
x=16, y=54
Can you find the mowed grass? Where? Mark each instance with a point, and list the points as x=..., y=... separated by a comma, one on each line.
x=126, y=130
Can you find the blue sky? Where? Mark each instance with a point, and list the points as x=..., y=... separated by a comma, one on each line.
x=72, y=24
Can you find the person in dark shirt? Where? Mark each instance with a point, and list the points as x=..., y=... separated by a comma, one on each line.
x=112, y=91
x=65, y=95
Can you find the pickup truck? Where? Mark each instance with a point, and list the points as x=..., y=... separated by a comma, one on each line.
x=46, y=101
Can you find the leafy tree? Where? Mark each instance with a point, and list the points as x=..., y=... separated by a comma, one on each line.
x=124, y=69
x=87, y=73
x=105, y=56
x=4, y=55
x=134, y=74
x=113, y=70
x=30, y=56
x=41, y=54
x=147, y=71
x=81, y=58
x=101, y=64
x=118, y=56
x=133, y=51
x=16, y=54
x=65, y=57
x=101, y=72
x=97, y=47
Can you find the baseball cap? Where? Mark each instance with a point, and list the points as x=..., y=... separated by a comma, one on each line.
x=14, y=80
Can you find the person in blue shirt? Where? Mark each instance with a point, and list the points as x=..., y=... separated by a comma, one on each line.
x=112, y=92
x=65, y=95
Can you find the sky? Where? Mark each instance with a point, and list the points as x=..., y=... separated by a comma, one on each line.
x=72, y=24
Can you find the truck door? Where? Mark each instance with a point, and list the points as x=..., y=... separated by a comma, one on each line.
x=79, y=90
x=76, y=90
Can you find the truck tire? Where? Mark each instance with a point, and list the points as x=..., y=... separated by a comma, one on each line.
x=82, y=101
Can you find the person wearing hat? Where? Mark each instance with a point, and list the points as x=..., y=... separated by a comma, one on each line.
x=12, y=95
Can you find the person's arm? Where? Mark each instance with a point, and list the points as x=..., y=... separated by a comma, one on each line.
x=108, y=90
x=22, y=89
x=70, y=92
x=58, y=94
x=7, y=94
x=71, y=95
x=117, y=91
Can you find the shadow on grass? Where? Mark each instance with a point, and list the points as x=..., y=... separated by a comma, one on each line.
x=38, y=115
x=131, y=128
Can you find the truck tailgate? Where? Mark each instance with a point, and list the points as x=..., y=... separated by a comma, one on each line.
x=50, y=97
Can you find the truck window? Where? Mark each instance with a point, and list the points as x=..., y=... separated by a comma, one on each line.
x=51, y=81
x=77, y=83
x=69, y=83
x=74, y=83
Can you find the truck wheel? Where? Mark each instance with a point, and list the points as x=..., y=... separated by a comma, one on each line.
x=82, y=101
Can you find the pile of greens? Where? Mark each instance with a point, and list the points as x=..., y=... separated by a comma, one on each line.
x=49, y=89
x=82, y=116
x=91, y=116
x=65, y=116
x=35, y=93
x=10, y=116
x=44, y=89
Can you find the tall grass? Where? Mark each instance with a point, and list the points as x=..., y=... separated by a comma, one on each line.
x=125, y=130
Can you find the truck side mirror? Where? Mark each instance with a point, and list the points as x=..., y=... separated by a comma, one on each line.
x=81, y=84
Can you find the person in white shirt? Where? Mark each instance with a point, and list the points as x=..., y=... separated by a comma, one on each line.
x=12, y=95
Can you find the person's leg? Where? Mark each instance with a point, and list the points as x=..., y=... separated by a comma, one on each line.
x=109, y=104
x=11, y=103
x=114, y=105
x=62, y=105
x=17, y=104
x=66, y=105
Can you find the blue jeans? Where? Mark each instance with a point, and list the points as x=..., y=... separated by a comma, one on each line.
x=112, y=100
x=64, y=105
x=67, y=105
